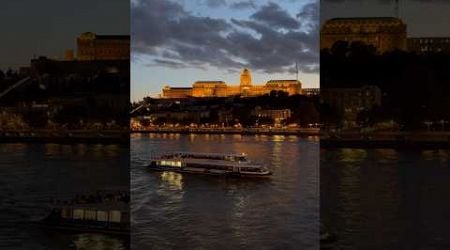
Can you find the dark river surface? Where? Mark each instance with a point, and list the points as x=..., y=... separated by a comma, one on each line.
x=188, y=211
x=386, y=198
x=31, y=175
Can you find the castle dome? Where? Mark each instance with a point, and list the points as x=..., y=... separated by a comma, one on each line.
x=246, y=78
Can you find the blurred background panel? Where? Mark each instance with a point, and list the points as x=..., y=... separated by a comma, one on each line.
x=385, y=109
x=64, y=143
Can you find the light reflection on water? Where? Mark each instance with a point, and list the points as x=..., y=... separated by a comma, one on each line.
x=177, y=211
x=440, y=155
x=97, y=241
x=386, y=198
x=351, y=155
x=174, y=180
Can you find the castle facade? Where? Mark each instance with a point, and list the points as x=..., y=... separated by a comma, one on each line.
x=91, y=47
x=221, y=89
x=384, y=33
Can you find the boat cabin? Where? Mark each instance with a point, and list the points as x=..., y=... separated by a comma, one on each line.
x=94, y=214
x=211, y=156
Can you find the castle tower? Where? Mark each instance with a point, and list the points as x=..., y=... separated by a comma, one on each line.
x=246, y=78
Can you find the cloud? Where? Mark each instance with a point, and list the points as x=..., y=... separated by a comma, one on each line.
x=273, y=15
x=274, y=50
x=168, y=63
x=310, y=15
x=310, y=11
x=243, y=5
x=150, y=22
x=270, y=40
x=215, y=3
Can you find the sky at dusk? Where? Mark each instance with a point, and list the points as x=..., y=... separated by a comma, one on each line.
x=49, y=27
x=423, y=17
x=179, y=42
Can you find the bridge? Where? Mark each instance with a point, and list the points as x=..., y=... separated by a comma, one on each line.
x=14, y=86
x=144, y=105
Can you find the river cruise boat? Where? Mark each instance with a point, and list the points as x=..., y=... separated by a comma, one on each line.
x=209, y=163
x=90, y=215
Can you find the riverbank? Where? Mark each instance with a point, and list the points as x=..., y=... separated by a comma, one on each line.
x=414, y=145
x=407, y=140
x=66, y=137
x=241, y=131
x=399, y=139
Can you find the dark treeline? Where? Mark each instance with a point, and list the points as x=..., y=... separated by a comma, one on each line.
x=304, y=110
x=77, y=94
x=416, y=87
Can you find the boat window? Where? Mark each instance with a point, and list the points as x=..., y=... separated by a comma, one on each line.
x=114, y=216
x=90, y=215
x=171, y=163
x=78, y=214
x=102, y=216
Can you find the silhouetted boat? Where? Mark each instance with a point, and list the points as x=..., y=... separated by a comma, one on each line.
x=89, y=214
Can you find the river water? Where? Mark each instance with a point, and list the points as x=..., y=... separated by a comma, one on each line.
x=186, y=211
x=31, y=175
x=386, y=198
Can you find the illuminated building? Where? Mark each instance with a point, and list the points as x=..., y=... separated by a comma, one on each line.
x=102, y=47
x=311, y=91
x=384, y=33
x=221, y=89
x=194, y=116
x=176, y=92
x=429, y=44
x=276, y=114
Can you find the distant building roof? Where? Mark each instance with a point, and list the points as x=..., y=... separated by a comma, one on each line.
x=365, y=19
x=212, y=82
x=180, y=88
x=91, y=35
x=378, y=21
x=283, y=81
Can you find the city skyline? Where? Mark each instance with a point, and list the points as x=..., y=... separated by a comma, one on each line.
x=59, y=22
x=263, y=36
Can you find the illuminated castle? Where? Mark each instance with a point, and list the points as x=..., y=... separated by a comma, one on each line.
x=221, y=89
x=101, y=47
x=384, y=33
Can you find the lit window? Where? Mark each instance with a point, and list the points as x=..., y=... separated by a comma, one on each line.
x=78, y=213
x=90, y=214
